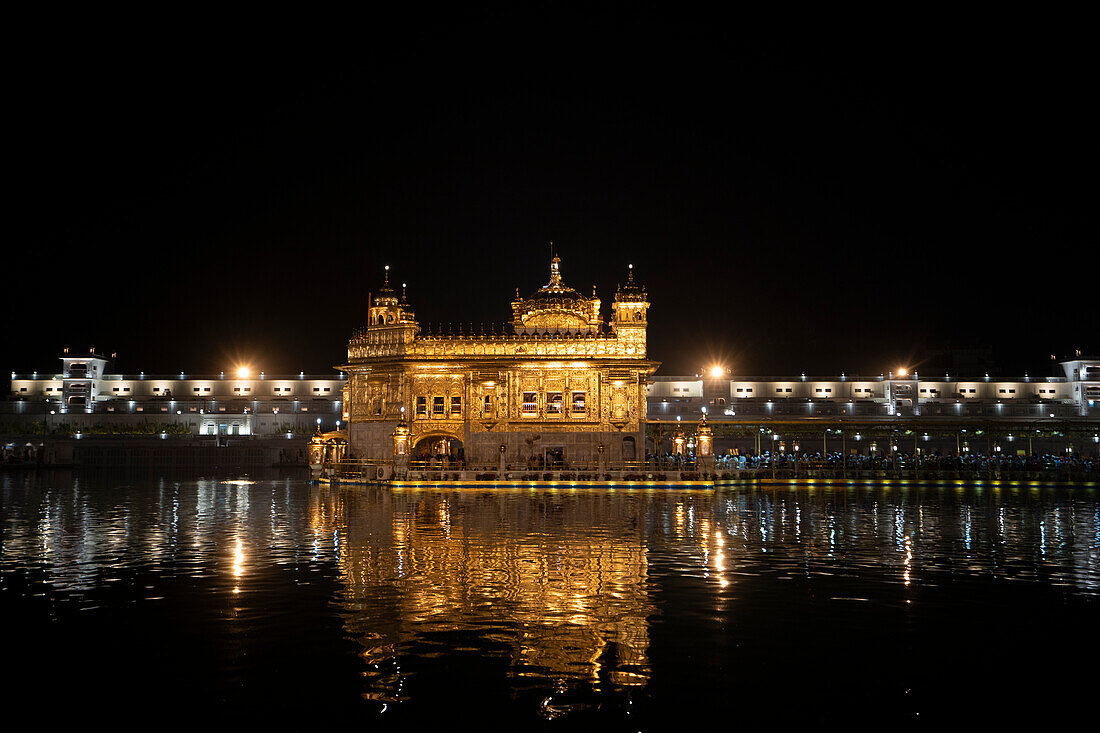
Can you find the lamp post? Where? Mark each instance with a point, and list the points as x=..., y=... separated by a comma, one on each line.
x=843, y=454
x=774, y=438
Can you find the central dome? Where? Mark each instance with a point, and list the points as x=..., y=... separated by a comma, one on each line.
x=556, y=308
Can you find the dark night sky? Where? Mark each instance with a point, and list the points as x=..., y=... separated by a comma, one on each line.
x=811, y=203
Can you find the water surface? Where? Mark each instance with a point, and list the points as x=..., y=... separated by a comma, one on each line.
x=155, y=601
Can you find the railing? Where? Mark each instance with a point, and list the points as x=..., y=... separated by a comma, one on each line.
x=373, y=469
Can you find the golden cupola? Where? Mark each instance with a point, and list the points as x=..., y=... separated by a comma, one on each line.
x=556, y=308
x=387, y=310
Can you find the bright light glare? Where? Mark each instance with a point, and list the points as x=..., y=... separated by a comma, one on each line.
x=243, y=372
x=717, y=371
x=903, y=371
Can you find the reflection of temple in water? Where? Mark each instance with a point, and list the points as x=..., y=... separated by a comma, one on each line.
x=562, y=583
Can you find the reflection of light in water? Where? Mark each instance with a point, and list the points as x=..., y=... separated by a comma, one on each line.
x=908, y=558
x=564, y=591
x=720, y=559
x=238, y=482
x=832, y=534
x=238, y=563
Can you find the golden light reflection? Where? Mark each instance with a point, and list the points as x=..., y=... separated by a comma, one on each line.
x=238, y=563
x=568, y=588
x=908, y=559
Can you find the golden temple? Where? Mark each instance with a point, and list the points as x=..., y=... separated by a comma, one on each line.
x=558, y=384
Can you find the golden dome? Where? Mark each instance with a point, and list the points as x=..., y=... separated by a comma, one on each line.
x=556, y=308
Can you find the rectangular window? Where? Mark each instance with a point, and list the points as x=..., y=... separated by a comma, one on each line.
x=316, y=389
x=530, y=404
x=437, y=406
x=327, y=389
x=828, y=389
x=818, y=389
x=204, y=389
x=421, y=406
x=748, y=389
x=456, y=405
x=487, y=405
x=156, y=389
x=578, y=403
x=554, y=402
x=235, y=389
x=196, y=389
x=115, y=389
x=1012, y=391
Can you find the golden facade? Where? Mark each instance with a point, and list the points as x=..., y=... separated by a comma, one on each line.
x=558, y=383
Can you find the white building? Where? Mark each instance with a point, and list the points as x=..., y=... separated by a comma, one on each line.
x=85, y=392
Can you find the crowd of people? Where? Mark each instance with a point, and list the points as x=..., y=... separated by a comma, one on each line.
x=968, y=461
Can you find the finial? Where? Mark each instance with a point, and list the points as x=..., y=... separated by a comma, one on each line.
x=517, y=293
x=555, y=270
x=630, y=274
x=403, y=292
x=387, y=275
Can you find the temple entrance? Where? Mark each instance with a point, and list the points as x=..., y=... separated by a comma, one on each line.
x=629, y=449
x=439, y=449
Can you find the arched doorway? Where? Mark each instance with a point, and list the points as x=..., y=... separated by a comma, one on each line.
x=438, y=447
x=629, y=449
